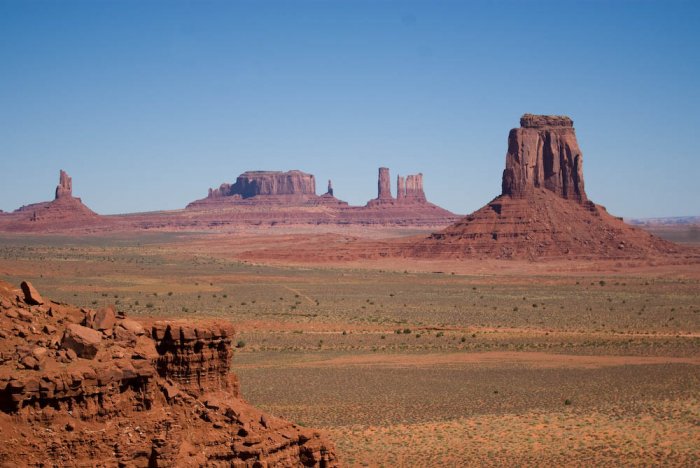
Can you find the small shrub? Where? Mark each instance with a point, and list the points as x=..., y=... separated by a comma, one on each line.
x=567, y=402
x=149, y=305
x=240, y=344
x=406, y=331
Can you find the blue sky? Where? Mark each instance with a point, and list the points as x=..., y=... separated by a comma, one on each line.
x=147, y=104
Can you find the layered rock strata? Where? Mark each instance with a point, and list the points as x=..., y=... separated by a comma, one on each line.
x=65, y=186
x=543, y=210
x=267, y=184
x=63, y=211
x=384, y=185
x=82, y=387
x=544, y=153
x=409, y=190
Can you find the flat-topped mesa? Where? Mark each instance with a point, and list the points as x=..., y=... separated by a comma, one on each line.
x=65, y=186
x=255, y=183
x=544, y=153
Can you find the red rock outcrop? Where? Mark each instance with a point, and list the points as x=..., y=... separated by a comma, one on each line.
x=400, y=187
x=544, y=153
x=84, y=388
x=62, y=213
x=384, y=185
x=414, y=189
x=282, y=186
x=408, y=189
x=65, y=186
x=543, y=210
x=256, y=198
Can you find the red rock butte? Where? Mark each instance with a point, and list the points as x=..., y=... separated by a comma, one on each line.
x=131, y=393
x=64, y=212
x=290, y=197
x=543, y=210
x=255, y=198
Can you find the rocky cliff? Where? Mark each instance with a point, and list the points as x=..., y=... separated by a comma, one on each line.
x=409, y=190
x=81, y=387
x=543, y=210
x=64, y=189
x=268, y=183
x=384, y=185
x=544, y=153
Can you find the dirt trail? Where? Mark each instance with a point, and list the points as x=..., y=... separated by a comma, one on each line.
x=296, y=291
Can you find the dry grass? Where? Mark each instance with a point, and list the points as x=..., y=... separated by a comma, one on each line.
x=413, y=368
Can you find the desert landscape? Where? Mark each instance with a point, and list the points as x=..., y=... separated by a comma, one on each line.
x=539, y=330
x=349, y=234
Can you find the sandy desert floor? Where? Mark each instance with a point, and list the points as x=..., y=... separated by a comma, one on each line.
x=410, y=363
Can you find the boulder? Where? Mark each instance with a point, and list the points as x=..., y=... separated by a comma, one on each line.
x=103, y=319
x=31, y=295
x=84, y=341
x=133, y=326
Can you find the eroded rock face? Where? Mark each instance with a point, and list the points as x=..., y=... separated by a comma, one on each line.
x=414, y=189
x=409, y=190
x=400, y=187
x=65, y=186
x=84, y=341
x=544, y=153
x=255, y=183
x=543, y=211
x=112, y=392
x=384, y=185
x=31, y=295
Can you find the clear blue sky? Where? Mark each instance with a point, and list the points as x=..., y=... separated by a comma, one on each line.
x=147, y=104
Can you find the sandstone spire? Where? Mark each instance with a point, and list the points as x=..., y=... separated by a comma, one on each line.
x=543, y=210
x=544, y=153
x=384, y=184
x=400, y=187
x=65, y=186
x=414, y=188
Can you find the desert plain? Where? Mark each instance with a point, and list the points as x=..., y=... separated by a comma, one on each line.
x=411, y=362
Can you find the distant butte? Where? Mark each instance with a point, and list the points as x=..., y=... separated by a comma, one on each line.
x=285, y=197
x=543, y=209
x=64, y=212
x=252, y=188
